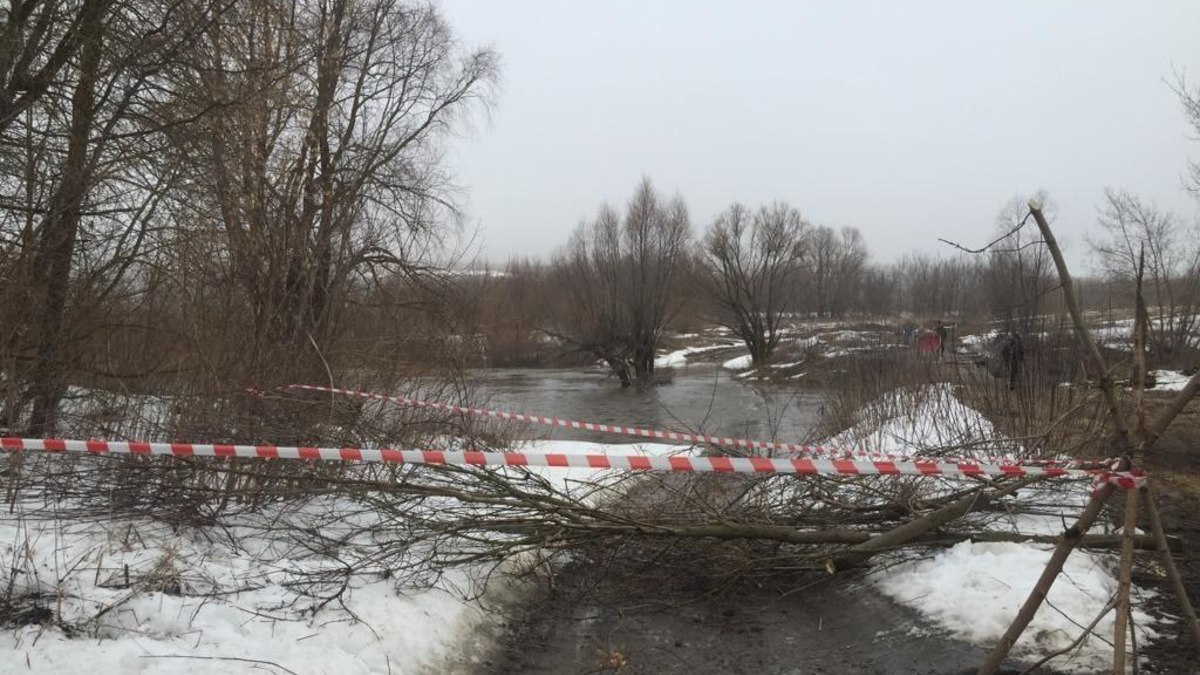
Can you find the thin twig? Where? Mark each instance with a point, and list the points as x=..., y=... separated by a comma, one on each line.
x=1071, y=647
x=990, y=244
x=219, y=658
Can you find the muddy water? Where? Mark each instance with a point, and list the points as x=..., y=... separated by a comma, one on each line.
x=699, y=398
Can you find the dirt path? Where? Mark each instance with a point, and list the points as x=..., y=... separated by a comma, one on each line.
x=1175, y=465
x=832, y=627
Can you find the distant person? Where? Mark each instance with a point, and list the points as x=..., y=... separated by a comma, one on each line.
x=1013, y=354
x=910, y=332
x=943, y=335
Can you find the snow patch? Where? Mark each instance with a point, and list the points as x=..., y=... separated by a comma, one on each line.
x=809, y=342
x=256, y=616
x=679, y=357
x=1169, y=380
x=980, y=339
x=974, y=590
x=738, y=363
x=926, y=420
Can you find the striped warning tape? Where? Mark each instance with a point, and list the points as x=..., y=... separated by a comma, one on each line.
x=792, y=448
x=756, y=465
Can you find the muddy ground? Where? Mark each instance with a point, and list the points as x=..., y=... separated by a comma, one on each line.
x=811, y=626
x=1174, y=464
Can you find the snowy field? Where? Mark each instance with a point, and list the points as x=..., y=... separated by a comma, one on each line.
x=141, y=597
x=144, y=597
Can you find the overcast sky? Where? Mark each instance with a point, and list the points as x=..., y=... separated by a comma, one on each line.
x=908, y=120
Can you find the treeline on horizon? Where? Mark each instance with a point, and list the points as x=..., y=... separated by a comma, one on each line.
x=628, y=277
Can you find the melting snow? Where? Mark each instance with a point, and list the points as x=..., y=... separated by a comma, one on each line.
x=228, y=603
x=974, y=590
x=679, y=357
x=738, y=363
x=1169, y=380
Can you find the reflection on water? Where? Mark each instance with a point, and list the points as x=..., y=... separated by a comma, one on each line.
x=705, y=400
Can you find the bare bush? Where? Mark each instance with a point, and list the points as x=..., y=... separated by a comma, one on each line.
x=750, y=265
x=618, y=278
x=1172, y=265
x=837, y=260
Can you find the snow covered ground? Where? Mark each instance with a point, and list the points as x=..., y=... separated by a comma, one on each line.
x=974, y=589
x=1118, y=334
x=980, y=339
x=925, y=420
x=1169, y=380
x=738, y=363
x=143, y=596
x=679, y=357
x=163, y=618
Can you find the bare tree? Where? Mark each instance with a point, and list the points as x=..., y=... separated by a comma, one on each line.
x=929, y=286
x=617, y=279
x=1172, y=264
x=129, y=209
x=89, y=178
x=324, y=168
x=38, y=39
x=1190, y=98
x=515, y=310
x=749, y=267
x=1020, y=274
x=837, y=261
x=879, y=295
x=59, y=230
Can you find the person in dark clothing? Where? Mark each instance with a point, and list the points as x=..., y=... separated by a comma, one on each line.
x=942, y=334
x=1013, y=353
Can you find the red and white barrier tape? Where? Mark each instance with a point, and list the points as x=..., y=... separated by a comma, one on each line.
x=794, y=448
x=758, y=465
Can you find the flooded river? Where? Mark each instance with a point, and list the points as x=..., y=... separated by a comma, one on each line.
x=699, y=399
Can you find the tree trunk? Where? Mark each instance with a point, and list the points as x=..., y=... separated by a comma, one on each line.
x=1071, y=297
x=1122, y=623
x=56, y=245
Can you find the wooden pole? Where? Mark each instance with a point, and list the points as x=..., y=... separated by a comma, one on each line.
x=1181, y=596
x=1125, y=580
x=1053, y=568
x=1104, y=378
